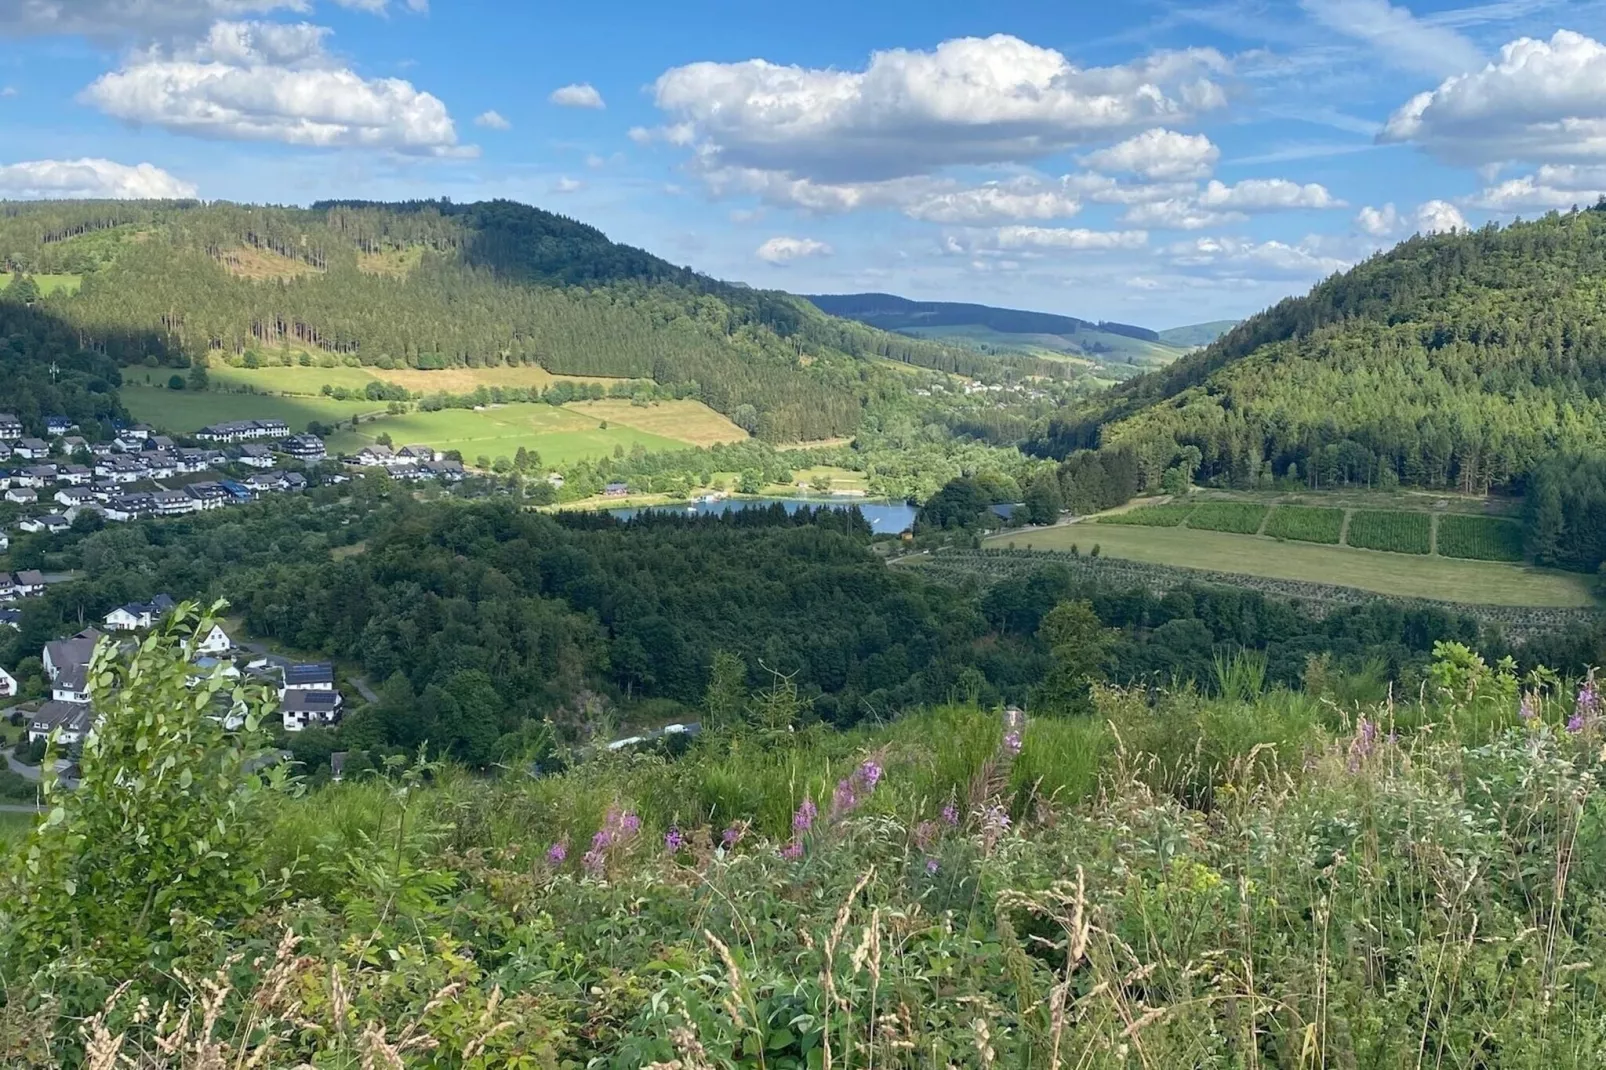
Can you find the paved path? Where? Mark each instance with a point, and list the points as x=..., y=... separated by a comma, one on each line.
x=27, y=772
x=364, y=690
x=9, y=808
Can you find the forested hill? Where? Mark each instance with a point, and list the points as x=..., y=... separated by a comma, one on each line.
x=434, y=285
x=899, y=313
x=1459, y=360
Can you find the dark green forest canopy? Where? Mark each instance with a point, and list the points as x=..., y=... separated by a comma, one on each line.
x=472, y=618
x=1458, y=361
x=480, y=284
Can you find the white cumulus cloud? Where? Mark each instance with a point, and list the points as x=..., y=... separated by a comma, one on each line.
x=90, y=178
x=1552, y=186
x=1438, y=217
x=1178, y=213
x=994, y=202
x=968, y=101
x=492, y=120
x=273, y=82
x=566, y=184
x=785, y=250
x=1077, y=239
x=1267, y=195
x=1378, y=222
x=579, y=95
x=1159, y=154
x=1239, y=255
x=1540, y=100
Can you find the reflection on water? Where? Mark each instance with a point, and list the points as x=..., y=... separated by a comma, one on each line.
x=886, y=518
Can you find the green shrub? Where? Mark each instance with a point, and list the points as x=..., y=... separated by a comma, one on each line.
x=1304, y=524
x=1401, y=533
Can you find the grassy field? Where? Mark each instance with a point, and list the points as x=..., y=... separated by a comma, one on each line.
x=13, y=827
x=842, y=479
x=183, y=411
x=54, y=284
x=1473, y=582
x=560, y=436
x=685, y=421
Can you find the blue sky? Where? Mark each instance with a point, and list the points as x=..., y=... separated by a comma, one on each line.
x=1155, y=161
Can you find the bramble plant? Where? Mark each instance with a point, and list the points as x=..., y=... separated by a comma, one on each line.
x=159, y=842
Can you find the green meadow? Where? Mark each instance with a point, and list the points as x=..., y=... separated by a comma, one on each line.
x=559, y=435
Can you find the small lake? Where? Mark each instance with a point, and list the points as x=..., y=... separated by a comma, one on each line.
x=886, y=518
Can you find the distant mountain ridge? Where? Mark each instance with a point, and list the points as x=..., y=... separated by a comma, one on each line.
x=892, y=313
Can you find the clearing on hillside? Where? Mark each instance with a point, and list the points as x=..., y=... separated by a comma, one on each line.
x=263, y=265
x=184, y=412
x=1469, y=582
x=298, y=379
x=561, y=437
x=397, y=263
x=687, y=421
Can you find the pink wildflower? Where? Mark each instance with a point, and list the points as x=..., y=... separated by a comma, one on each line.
x=803, y=820
x=932, y=866
x=558, y=852
x=1012, y=742
x=673, y=840
x=950, y=814
x=793, y=851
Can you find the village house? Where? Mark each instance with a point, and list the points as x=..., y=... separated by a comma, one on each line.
x=10, y=618
x=56, y=426
x=415, y=454
x=53, y=524
x=243, y=430
x=69, y=721
x=265, y=483
x=308, y=448
x=209, y=495
x=214, y=643
x=72, y=685
x=616, y=490
x=308, y=709
x=256, y=456
x=64, y=654
x=376, y=457
x=159, y=465
x=8, y=685
x=32, y=449
x=555, y=479
x=39, y=475
x=130, y=507
x=139, y=615
x=174, y=503
x=75, y=475
x=22, y=496
x=74, y=497
x=317, y=676
x=29, y=583
x=10, y=426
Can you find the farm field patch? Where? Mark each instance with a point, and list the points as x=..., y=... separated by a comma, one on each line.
x=1442, y=579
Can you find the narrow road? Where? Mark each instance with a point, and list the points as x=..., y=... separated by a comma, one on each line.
x=364, y=690
x=10, y=808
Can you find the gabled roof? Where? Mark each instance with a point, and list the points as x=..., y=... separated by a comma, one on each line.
x=315, y=673
x=310, y=702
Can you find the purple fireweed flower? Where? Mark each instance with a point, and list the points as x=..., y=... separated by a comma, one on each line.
x=731, y=836
x=950, y=814
x=932, y=866
x=594, y=862
x=803, y=820
x=602, y=840
x=673, y=840
x=631, y=824
x=793, y=851
x=1576, y=724
x=558, y=852
x=844, y=799
x=1012, y=742
x=869, y=775
x=1529, y=710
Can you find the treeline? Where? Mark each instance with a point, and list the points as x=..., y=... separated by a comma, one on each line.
x=45, y=370
x=1458, y=360
x=472, y=620
x=484, y=284
x=1566, y=513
